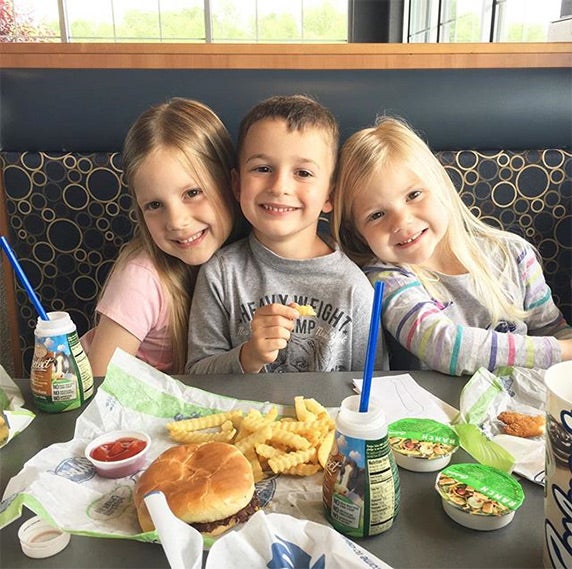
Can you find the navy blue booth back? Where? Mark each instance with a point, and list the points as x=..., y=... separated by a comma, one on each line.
x=504, y=136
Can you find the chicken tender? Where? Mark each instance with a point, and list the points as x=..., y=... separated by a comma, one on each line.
x=522, y=425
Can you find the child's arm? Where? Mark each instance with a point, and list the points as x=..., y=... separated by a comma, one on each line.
x=271, y=328
x=439, y=336
x=213, y=347
x=128, y=310
x=545, y=318
x=566, y=347
x=108, y=336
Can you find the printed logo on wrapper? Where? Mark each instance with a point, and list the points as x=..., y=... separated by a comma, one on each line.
x=558, y=488
x=111, y=505
x=284, y=552
x=76, y=468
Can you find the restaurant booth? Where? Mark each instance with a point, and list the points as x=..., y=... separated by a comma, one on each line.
x=498, y=117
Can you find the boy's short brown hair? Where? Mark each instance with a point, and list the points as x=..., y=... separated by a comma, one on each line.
x=298, y=111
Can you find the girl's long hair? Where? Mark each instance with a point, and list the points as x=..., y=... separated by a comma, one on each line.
x=393, y=142
x=193, y=132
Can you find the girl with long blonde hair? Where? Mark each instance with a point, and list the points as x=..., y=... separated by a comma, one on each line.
x=459, y=294
x=177, y=161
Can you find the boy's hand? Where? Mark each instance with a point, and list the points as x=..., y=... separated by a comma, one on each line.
x=271, y=328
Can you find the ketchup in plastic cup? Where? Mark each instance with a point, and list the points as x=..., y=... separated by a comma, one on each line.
x=118, y=453
x=122, y=448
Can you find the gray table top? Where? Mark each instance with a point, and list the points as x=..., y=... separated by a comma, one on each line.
x=422, y=536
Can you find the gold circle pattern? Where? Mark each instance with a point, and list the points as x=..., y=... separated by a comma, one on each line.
x=530, y=192
x=88, y=217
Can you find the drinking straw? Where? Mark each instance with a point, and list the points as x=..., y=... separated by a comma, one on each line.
x=23, y=278
x=371, y=346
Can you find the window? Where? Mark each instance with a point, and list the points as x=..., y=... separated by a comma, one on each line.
x=324, y=21
x=299, y=21
x=480, y=20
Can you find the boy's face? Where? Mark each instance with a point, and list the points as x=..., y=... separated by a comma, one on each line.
x=284, y=183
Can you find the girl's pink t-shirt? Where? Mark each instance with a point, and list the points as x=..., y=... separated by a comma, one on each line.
x=134, y=299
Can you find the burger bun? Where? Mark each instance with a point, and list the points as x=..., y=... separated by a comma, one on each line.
x=202, y=483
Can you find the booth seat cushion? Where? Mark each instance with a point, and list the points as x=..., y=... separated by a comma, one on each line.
x=69, y=214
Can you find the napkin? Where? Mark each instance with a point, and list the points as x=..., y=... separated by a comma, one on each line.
x=133, y=396
x=14, y=418
x=403, y=397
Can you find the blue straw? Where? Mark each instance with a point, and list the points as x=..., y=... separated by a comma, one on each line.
x=371, y=346
x=23, y=278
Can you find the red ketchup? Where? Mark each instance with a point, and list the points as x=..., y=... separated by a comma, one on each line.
x=120, y=449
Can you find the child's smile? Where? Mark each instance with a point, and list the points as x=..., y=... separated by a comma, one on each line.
x=284, y=184
x=402, y=221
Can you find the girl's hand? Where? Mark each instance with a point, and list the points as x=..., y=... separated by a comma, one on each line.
x=271, y=328
x=566, y=347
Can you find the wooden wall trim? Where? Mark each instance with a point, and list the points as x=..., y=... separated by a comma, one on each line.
x=284, y=56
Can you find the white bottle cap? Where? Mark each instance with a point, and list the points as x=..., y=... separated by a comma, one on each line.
x=39, y=539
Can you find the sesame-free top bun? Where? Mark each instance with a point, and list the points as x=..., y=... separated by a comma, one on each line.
x=202, y=483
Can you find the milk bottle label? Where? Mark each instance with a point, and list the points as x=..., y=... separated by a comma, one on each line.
x=61, y=375
x=361, y=486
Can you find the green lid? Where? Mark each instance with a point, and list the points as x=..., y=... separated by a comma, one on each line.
x=479, y=489
x=422, y=438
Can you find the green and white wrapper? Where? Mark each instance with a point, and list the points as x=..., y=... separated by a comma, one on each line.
x=487, y=394
x=14, y=414
x=60, y=485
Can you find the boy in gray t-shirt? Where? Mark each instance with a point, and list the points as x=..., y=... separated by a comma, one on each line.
x=243, y=316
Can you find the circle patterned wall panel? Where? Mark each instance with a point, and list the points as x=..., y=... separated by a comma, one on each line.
x=69, y=214
x=527, y=192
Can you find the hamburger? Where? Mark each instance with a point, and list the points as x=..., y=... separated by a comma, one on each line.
x=208, y=485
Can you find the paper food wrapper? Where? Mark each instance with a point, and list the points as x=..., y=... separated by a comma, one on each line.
x=60, y=484
x=278, y=540
x=266, y=540
x=14, y=418
x=521, y=390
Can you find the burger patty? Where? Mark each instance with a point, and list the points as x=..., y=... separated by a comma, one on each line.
x=240, y=517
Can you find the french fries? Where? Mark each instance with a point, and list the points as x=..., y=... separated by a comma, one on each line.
x=305, y=310
x=297, y=446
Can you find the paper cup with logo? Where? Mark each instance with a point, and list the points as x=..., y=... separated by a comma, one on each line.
x=557, y=501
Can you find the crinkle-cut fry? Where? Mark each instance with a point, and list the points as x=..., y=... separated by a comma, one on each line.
x=227, y=426
x=325, y=448
x=305, y=309
x=289, y=439
x=318, y=432
x=303, y=469
x=292, y=426
x=267, y=451
x=204, y=422
x=302, y=414
x=315, y=407
x=255, y=421
x=242, y=433
x=260, y=436
x=196, y=437
x=252, y=458
x=282, y=462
